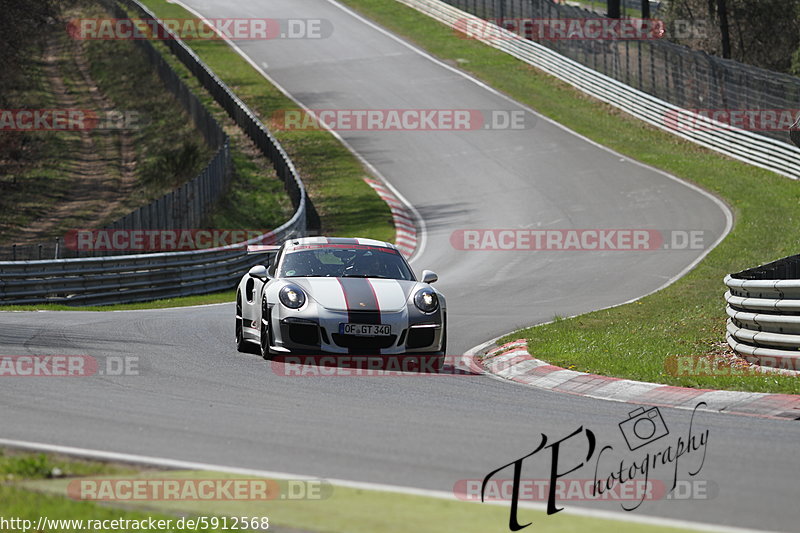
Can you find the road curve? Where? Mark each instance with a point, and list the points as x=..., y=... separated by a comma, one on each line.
x=195, y=398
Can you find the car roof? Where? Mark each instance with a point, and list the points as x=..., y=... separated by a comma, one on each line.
x=336, y=241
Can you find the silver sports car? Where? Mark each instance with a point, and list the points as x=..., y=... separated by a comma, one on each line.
x=336, y=295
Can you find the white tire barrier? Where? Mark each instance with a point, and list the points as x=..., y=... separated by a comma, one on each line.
x=763, y=307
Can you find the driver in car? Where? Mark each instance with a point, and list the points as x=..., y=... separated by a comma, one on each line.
x=368, y=264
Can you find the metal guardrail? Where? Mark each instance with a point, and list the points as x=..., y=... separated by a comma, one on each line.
x=763, y=307
x=130, y=278
x=143, y=277
x=772, y=154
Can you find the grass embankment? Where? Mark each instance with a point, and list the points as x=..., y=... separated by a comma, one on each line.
x=333, y=176
x=686, y=318
x=60, y=180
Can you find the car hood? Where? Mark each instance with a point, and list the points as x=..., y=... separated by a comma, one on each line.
x=358, y=294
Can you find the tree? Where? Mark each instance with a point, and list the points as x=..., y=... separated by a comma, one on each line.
x=645, y=9
x=614, y=9
x=764, y=33
x=724, y=29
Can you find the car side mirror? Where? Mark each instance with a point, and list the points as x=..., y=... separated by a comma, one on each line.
x=429, y=276
x=259, y=271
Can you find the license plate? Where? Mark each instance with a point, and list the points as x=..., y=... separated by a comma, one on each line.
x=365, y=330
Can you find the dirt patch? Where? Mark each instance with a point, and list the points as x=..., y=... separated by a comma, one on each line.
x=102, y=170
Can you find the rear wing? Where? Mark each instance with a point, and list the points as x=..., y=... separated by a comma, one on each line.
x=262, y=249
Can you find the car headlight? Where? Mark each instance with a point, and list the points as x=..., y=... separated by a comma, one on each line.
x=292, y=297
x=426, y=300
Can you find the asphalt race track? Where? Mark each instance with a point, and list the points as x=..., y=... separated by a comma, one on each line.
x=197, y=399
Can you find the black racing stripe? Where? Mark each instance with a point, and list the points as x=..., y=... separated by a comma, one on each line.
x=341, y=240
x=362, y=304
x=358, y=291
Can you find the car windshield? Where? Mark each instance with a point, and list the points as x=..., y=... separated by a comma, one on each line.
x=345, y=261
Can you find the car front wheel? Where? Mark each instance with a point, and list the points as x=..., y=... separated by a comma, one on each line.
x=241, y=344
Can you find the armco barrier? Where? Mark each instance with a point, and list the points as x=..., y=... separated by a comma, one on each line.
x=768, y=153
x=136, y=278
x=763, y=306
x=130, y=278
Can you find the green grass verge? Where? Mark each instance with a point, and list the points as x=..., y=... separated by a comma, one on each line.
x=686, y=318
x=183, y=301
x=347, y=510
x=18, y=502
